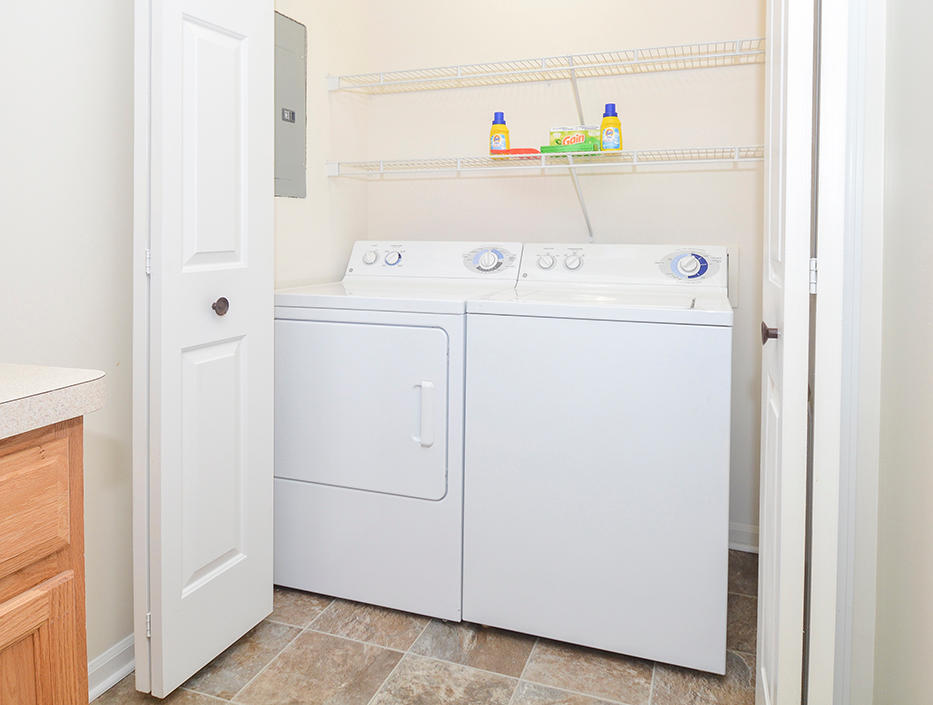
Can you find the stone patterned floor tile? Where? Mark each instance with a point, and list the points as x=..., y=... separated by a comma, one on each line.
x=471, y=645
x=378, y=625
x=681, y=686
x=225, y=675
x=743, y=573
x=424, y=681
x=321, y=669
x=125, y=693
x=596, y=673
x=296, y=607
x=533, y=694
x=742, y=628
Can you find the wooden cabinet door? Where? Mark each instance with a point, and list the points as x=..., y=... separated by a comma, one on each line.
x=38, y=646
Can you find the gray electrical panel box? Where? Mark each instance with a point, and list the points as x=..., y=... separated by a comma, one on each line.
x=291, y=52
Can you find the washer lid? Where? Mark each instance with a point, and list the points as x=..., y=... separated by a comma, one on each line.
x=418, y=296
x=695, y=306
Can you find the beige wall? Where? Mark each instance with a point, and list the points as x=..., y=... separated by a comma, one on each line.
x=314, y=234
x=668, y=109
x=65, y=245
x=904, y=627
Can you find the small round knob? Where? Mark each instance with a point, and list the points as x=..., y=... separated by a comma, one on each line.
x=221, y=306
x=487, y=261
x=768, y=333
x=573, y=262
x=393, y=257
x=545, y=261
x=370, y=257
x=688, y=264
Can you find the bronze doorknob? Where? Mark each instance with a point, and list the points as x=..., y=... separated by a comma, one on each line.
x=768, y=333
x=221, y=306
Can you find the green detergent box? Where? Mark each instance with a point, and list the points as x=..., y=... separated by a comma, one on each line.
x=589, y=144
x=569, y=136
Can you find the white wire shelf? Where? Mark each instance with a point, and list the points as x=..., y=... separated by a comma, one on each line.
x=678, y=57
x=537, y=162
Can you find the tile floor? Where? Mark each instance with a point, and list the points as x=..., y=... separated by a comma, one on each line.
x=314, y=650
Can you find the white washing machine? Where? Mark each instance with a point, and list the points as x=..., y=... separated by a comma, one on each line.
x=369, y=376
x=597, y=451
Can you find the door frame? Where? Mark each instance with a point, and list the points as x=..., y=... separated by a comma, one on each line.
x=847, y=352
x=141, y=339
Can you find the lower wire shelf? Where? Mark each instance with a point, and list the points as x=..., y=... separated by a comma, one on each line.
x=537, y=162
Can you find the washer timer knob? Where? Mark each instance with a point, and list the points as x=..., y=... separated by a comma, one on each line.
x=688, y=264
x=393, y=257
x=573, y=262
x=545, y=261
x=487, y=261
x=370, y=257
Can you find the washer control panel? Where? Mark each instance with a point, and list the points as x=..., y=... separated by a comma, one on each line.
x=460, y=260
x=622, y=265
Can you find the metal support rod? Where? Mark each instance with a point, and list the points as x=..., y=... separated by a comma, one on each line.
x=586, y=213
x=573, y=172
x=576, y=90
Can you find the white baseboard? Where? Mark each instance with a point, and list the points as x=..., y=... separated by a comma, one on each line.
x=110, y=667
x=743, y=537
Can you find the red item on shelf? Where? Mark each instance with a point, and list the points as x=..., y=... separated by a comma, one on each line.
x=519, y=150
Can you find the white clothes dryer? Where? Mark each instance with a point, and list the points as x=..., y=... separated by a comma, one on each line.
x=369, y=376
x=596, y=499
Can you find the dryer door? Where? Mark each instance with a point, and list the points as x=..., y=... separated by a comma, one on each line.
x=362, y=406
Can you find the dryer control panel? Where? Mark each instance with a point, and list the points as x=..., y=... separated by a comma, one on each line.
x=623, y=265
x=447, y=260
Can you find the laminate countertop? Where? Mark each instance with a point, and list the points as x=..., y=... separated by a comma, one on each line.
x=33, y=396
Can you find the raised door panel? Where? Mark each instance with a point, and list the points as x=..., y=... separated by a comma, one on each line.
x=39, y=650
x=362, y=406
x=213, y=123
x=34, y=502
x=213, y=396
x=20, y=670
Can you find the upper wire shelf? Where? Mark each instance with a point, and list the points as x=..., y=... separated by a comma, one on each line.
x=677, y=57
x=528, y=162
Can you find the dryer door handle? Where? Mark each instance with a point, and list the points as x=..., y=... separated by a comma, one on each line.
x=426, y=434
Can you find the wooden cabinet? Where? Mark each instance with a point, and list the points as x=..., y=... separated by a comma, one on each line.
x=43, y=655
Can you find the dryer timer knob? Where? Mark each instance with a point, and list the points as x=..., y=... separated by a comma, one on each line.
x=573, y=262
x=370, y=257
x=545, y=261
x=392, y=257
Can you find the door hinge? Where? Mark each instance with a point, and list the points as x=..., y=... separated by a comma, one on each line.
x=148, y=261
x=813, y=273
x=148, y=625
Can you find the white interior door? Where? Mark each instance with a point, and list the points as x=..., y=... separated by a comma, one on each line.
x=785, y=308
x=204, y=550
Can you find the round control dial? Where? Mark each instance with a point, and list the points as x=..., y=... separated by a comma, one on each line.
x=688, y=264
x=573, y=262
x=545, y=261
x=393, y=257
x=370, y=257
x=487, y=261
x=692, y=266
